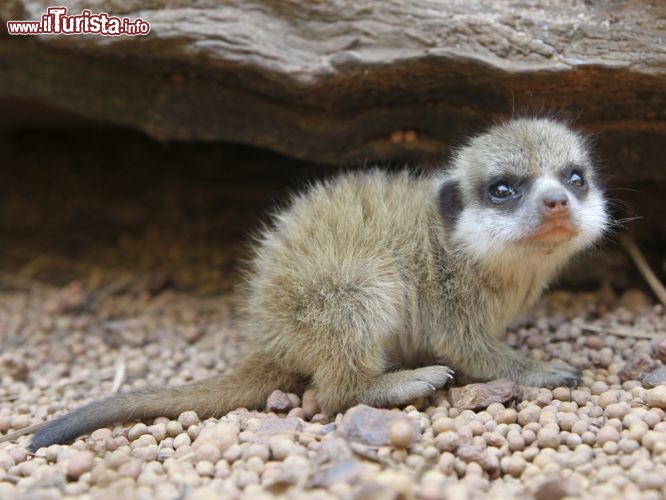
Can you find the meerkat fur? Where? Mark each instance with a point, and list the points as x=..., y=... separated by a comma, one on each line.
x=375, y=286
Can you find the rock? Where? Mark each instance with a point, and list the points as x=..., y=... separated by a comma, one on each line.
x=656, y=398
x=279, y=402
x=346, y=470
x=333, y=449
x=636, y=367
x=371, y=426
x=478, y=396
x=347, y=97
x=655, y=377
x=276, y=425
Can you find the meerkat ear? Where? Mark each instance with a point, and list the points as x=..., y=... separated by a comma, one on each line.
x=449, y=201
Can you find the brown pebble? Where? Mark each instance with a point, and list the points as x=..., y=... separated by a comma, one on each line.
x=529, y=414
x=15, y=367
x=656, y=397
x=447, y=441
x=401, y=433
x=443, y=424
x=595, y=342
x=188, y=418
x=548, y=437
x=173, y=428
x=80, y=463
x=18, y=455
x=278, y=402
x=508, y=416
x=562, y=393
x=207, y=451
x=223, y=436
x=552, y=489
x=5, y=423
x=607, y=434
x=470, y=453
x=20, y=421
x=137, y=430
x=132, y=469
x=617, y=410
x=181, y=440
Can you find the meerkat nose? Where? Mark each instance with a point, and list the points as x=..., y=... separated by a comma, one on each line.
x=555, y=204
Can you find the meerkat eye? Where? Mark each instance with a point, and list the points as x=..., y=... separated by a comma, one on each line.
x=576, y=178
x=501, y=191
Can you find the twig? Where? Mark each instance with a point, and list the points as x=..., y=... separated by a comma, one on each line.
x=620, y=332
x=644, y=268
x=119, y=377
x=21, y=432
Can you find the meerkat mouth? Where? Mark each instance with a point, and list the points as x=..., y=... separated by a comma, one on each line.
x=554, y=232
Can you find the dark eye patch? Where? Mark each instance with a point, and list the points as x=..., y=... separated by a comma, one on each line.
x=449, y=201
x=504, y=191
x=575, y=179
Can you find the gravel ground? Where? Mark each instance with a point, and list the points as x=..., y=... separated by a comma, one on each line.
x=66, y=346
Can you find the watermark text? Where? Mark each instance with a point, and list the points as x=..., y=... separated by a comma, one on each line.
x=56, y=21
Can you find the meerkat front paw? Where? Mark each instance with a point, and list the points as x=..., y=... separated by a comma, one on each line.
x=549, y=374
x=400, y=387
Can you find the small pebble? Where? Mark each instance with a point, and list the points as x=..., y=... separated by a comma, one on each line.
x=278, y=401
x=80, y=463
x=181, y=440
x=548, y=437
x=656, y=398
x=401, y=434
x=137, y=430
x=188, y=418
x=607, y=433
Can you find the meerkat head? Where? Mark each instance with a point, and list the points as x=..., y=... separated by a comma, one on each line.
x=527, y=187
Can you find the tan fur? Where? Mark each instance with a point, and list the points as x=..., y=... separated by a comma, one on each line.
x=363, y=288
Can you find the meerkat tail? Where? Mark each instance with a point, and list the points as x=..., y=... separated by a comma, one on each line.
x=248, y=386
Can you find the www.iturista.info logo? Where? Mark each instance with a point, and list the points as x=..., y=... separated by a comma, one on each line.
x=57, y=22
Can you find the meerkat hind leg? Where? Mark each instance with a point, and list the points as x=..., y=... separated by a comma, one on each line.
x=403, y=386
x=346, y=386
x=550, y=374
x=492, y=359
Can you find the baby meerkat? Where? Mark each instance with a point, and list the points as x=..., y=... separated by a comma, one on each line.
x=371, y=285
